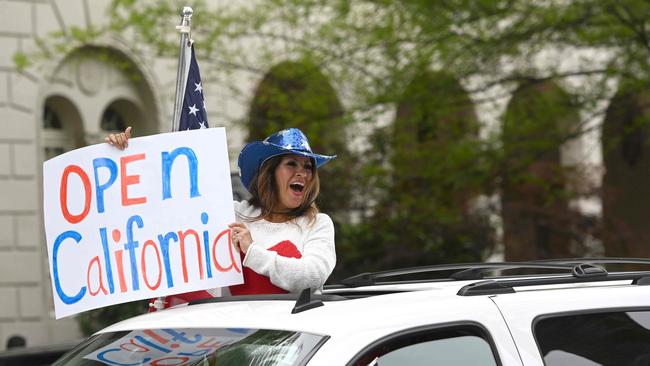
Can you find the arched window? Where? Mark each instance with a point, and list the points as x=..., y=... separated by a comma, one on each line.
x=626, y=183
x=435, y=122
x=434, y=149
x=62, y=129
x=112, y=120
x=534, y=198
x=120, y=114
x=110, y=91
x=297, y=94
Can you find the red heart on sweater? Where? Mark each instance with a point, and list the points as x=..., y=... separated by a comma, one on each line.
x=257, y=284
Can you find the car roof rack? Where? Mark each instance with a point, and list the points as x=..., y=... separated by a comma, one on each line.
x=305, y=300
x=476, y=271
x=580, y=273
x=269, y=297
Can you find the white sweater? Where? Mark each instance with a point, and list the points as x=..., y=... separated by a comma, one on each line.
x=314, y=241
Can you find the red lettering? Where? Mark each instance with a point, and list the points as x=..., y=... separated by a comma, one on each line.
x=210, y=343
x=128, y=180
x=101, y=288
x=63, y=193
x=155, y=336
x=120, y=270
x=135, y=348
x=182, y=235
x=165, y=361
x=143, y=262
x=233, y=264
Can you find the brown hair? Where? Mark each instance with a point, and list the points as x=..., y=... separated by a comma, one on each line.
x=265, y=196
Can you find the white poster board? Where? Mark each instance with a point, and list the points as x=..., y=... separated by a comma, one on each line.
x=141, y=223
x=167, y=346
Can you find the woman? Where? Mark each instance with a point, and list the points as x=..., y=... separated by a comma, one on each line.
x=286, y=245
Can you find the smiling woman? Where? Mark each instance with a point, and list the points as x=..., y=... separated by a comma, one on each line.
x=285, y=243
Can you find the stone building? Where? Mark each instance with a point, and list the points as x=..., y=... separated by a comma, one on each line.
x=73, y=100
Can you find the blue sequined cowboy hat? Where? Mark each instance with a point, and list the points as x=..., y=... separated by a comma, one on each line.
x=289, y=141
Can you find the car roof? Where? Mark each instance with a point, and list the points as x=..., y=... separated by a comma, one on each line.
x=395, y=305
x=336, y=316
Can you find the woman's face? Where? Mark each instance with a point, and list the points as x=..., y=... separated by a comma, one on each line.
x=292, y=176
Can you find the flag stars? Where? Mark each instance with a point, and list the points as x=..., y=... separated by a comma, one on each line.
x=202, y=125
x=193, y=109
x=198, y=87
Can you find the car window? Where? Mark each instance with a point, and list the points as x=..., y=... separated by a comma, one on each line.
x=462, y=346
x=605, y=338
x=214, y=346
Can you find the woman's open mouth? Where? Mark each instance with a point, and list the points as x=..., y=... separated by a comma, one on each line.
x=297, y=187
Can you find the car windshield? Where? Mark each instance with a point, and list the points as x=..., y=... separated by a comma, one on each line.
x=213, y=346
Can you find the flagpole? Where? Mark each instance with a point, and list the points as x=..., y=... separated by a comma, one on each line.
x=181, y=80
x=181, y=75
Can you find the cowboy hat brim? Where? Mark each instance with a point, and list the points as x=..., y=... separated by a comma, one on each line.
x=253, y=155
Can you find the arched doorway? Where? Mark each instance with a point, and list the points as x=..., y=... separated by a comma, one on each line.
x=626, y=183
x=537, y=222
x=298, y=94
x=426, y=215
x=434, y=119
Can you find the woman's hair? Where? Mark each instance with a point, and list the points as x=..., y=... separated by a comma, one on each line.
x=265, y=195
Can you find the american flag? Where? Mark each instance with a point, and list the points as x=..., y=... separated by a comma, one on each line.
x=193, y=114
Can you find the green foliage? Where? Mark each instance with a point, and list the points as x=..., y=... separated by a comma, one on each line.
x=94, y=320
x=21, y=60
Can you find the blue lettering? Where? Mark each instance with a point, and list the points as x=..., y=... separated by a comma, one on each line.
x=206, y=245
x=107, y=259
x=164, y=247
x=102, y=357
x=180, y=336
x=99, y=189
x=195, y=353
x=193, y=163
x=55, y=268
x=146, y=342
x=130, y=245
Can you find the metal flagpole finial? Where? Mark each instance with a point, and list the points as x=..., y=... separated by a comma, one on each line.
x=181, y=77
x=186, y=22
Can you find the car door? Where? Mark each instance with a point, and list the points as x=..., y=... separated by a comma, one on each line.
x=457, y=344
x=582, y=326
x=457, y=331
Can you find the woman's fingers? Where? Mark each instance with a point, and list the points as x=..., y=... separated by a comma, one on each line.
x=241, y=236
x=115, y=141
x=126, y=135
x=119, y=140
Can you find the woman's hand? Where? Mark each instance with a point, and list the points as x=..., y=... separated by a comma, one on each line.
x=241, y=236
x=119, y=140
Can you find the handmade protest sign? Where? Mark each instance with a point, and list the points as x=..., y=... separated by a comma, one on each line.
x=145, y=222
x=167, y=346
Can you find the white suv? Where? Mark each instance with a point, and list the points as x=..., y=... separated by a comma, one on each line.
x=563, y=312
